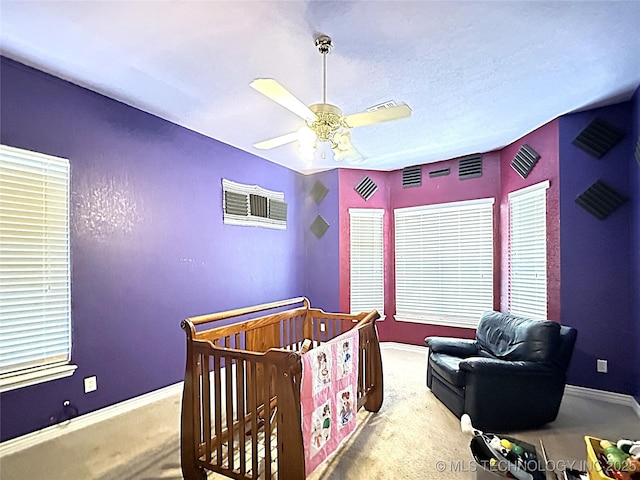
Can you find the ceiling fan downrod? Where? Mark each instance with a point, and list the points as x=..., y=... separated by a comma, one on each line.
x=324, y=44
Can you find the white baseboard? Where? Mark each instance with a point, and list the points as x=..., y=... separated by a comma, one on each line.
x=29, y=440
x=603, y=396
x=404, y=346
x=574, y=390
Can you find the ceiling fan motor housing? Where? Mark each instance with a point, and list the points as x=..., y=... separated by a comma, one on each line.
x=328, y=120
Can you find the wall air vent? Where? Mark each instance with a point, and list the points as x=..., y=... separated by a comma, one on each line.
x=443, y=172
x=366, y=188
x=236, y=203
x=258, y=205
x=319, y=226
x=278, y=210
x=252, y=206
x=470, y=167
x=412, y=176
x=598, y=138
x=319, y=191
x=600, y=199
x=525, y=160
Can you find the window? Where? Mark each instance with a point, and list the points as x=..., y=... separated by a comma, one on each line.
x=367, y=260
x=444, y=262
x=35, y=280
x=253, y=206
x=528, y=251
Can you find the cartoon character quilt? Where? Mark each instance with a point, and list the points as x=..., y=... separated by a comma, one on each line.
x=328, y=397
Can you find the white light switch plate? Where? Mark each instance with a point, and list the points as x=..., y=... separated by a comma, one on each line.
x=90, y=384
x=602, y=366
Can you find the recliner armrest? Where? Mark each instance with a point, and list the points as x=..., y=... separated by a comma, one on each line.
x=496, y=366
x=459, y=347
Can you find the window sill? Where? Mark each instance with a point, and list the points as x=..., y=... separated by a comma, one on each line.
x=445, y=322
x=21, y=380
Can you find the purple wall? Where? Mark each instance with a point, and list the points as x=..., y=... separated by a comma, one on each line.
x=322, y=285
x=596, y=291
x=148, y=244
x=635, y=246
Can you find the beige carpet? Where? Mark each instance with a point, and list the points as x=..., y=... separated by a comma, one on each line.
x=412, y=437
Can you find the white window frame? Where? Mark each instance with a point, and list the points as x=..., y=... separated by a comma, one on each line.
x=527, y=267
x=422, y=250
x=366, y=236
x=35, y=268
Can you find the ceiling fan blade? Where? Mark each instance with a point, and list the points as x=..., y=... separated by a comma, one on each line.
x=378, y=116
x=272, y=89
x=276, y=142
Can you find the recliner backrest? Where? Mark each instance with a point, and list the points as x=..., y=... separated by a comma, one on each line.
x=566, y=343
x=515, y=338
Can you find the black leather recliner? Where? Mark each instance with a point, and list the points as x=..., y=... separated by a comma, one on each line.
x=511, y=377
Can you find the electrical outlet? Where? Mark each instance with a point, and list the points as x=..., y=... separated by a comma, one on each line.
x=90, y=384
x=602, y=366
x=323, y=327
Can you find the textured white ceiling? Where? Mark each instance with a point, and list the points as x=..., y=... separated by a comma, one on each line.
x=478, y=75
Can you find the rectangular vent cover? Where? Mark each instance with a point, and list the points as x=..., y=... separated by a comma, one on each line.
x=252, y=206
x=319, y=226
x=525, y=160
x=278, y=210
x=319, y=191
x=412, y=176
x=600, y=200
x=258, y=205
x=236, y=203
x=443, y=172
x=598, y=138
x=470, y=167
x=366, y=188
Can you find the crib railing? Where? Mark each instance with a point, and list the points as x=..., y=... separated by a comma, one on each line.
x=241, y=398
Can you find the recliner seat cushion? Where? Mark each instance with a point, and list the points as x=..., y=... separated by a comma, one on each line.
x=448, y=367
x=517, y=338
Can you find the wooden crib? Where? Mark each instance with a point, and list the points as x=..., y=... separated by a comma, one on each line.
x=241, y=398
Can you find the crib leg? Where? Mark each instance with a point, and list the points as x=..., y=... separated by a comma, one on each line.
x=193, y=473
x=375, y=397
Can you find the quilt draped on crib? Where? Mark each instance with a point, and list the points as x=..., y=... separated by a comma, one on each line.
x=328, y=397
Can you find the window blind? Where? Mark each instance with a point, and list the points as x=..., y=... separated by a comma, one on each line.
x=528, y=251
x=367, y=260
x=444, y=262
x=35, y=290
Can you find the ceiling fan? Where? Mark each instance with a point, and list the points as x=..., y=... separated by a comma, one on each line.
x=324, y=123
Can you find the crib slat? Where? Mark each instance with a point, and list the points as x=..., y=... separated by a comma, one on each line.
x=228, y=374
x=206, y=401
x=241, y=409
x=254, y=421
x=266, y=401
x=217, y=384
